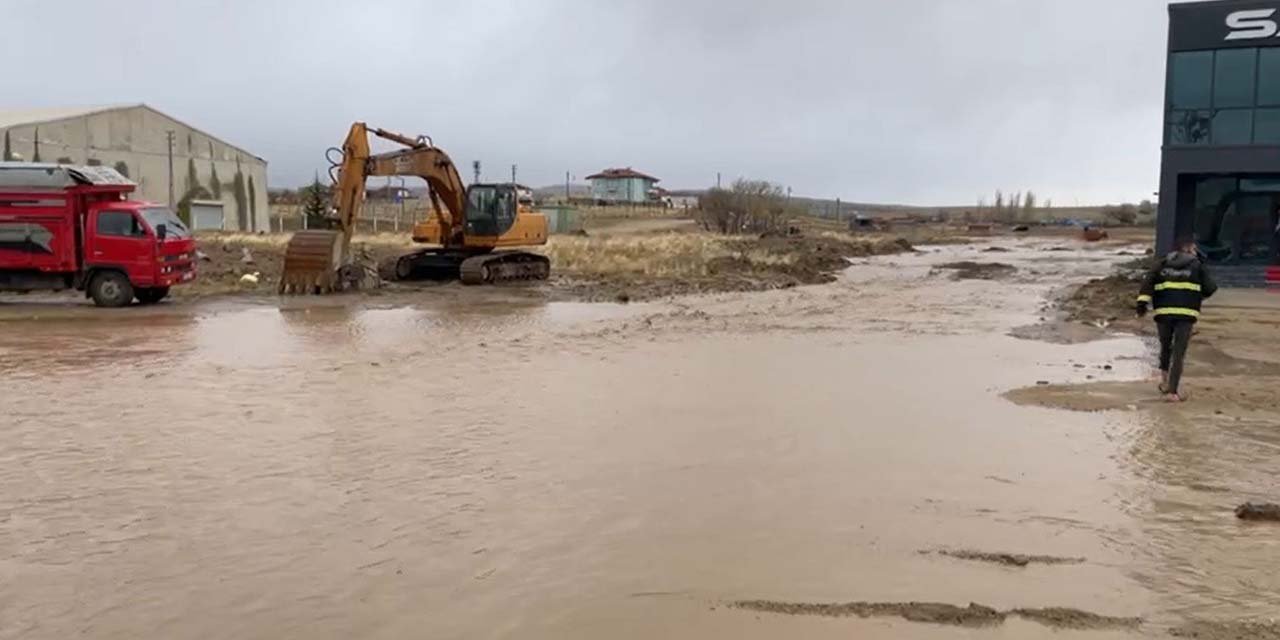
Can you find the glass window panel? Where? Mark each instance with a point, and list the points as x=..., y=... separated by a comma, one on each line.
x=1233, y=126
x=1233, y=78
x=1189, y=127
x=1191, y=79
x=1267, y=127
x=1264, y=185
x=1269, y=77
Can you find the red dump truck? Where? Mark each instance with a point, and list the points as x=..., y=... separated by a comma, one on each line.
x=72, y=227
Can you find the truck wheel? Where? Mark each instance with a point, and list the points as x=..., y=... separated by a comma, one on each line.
x=111, y=289
x=152, y=295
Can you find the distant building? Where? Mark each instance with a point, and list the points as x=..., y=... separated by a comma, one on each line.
x=683, y=202
x=1220, y=176
x=623, y=186
x=393, y=193
x=135, y=140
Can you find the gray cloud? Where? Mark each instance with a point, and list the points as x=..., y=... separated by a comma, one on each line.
x=924, y=102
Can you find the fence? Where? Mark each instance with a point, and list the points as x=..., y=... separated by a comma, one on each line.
x=387, y=217
x=376, y=217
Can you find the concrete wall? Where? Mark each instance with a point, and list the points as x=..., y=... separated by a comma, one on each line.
x=135, y=138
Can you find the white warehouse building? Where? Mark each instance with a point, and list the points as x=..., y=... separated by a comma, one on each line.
x=135, y=140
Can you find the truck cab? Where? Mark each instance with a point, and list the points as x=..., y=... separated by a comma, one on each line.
x=67, y=227
x=142, y=241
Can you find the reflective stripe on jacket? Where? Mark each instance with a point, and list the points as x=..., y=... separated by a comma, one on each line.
x=1177, y=285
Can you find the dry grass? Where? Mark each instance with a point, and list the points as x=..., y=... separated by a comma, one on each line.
x=670, y=255
x=702, y=254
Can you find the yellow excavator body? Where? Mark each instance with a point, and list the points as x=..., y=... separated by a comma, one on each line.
x=473, y=228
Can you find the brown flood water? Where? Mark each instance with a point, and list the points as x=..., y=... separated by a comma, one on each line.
x=473, y=469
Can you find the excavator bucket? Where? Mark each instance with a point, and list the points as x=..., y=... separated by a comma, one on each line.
x=311, y=263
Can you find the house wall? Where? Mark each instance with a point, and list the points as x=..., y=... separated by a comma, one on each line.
x=137, y=138
x=621, y=189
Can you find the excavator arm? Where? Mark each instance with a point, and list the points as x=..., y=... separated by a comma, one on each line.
x=314, y=260
x=420, y=158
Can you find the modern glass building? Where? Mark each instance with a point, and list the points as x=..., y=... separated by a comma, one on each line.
x=1220, y=167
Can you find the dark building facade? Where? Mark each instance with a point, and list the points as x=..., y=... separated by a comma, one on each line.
x=1220, y=166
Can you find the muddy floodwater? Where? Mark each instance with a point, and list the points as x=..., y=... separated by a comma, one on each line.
x=483, y=467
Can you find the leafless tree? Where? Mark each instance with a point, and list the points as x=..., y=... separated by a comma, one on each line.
x=749, y=206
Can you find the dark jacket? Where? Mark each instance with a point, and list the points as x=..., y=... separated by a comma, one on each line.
x=1176, y=286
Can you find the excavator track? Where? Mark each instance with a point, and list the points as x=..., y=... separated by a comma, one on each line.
x=504, y=266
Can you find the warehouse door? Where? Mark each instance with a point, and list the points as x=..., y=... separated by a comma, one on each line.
x=207, y=215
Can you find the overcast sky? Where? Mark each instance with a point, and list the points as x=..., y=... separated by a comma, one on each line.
x=928, y=102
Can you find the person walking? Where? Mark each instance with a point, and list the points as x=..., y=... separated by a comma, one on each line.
x=1174, y=289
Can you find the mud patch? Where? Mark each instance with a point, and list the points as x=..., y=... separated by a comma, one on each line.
x=1233, y=630
x=1066, y=618
x=1108, y=300
x=1098, y=396
x=970, y=270
x=1061, y=332
x=974, y=615
x=587, y=269
x=1242, y=400
x=1006, y=559
x=1258, y=512
x=225, y=258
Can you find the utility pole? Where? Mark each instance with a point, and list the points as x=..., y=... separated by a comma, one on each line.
x=169, y=136
x=837, y=209
x=475, y=169
x=566, y=187
x=401, y=195
x=717, y=179
x=513, y=174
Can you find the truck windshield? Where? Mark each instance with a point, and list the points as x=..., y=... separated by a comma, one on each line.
x=163, y=216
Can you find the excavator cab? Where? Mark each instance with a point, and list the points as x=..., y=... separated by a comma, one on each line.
x=491, y=209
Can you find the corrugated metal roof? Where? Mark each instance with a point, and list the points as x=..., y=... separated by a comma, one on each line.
x=21, y=117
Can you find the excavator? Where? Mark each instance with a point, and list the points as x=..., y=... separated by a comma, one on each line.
x=473, y=228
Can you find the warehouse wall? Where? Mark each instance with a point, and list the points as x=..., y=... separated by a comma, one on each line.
x=134, y=140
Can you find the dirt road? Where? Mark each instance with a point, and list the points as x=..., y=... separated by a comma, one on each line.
x=818, y=462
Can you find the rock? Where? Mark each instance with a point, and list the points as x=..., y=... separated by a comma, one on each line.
x=250, y=278
x=1042, y=383
x=623, y=298
x=202, y=256
x=246, y=257
x=1259, y=511
x=1107, y=367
